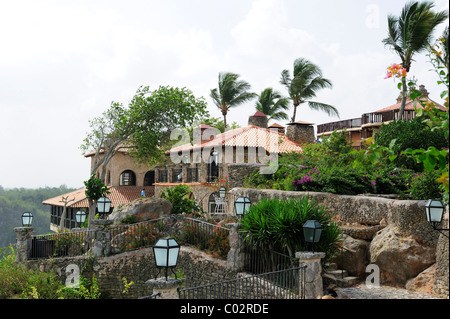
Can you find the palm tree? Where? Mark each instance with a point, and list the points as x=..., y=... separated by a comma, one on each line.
x=273, y=104
x=410, y=33
x=307, y=79
x=230, y=93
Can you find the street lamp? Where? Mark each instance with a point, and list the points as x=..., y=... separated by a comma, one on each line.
x=222, y=192
x=434, y=209
x=103, y=205
x=27, y=218
x=166, y=251
x=312, y=230
x=80, y=217
x=242, y=205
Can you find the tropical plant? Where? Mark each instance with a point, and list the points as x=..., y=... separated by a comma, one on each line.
x=409, y=34
x=278, y=225
x=230, y=93
x=95, y=189
x=306, y=81
x=273, y=104
x=177, y=196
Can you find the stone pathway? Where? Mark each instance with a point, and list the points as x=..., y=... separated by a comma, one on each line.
x=384, y=292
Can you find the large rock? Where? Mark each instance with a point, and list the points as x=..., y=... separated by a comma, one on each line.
x=423, y=282
x=399, y=258
x=354, y=256
x=144, y=208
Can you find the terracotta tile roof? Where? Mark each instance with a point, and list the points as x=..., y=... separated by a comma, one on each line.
x=276, y=125
x=249, y=136
x=259, y=113
x=409, y=106
x=119, y=195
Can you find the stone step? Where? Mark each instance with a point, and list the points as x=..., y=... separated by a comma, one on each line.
x=337, y=273
x=347, y=281
x=330, y=266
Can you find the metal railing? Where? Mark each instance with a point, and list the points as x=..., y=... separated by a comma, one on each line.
x=68, y=244
x=282, y=284
x=259, y=261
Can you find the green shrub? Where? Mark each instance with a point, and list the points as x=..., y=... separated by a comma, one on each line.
x=424, y=186
x=278, y=225
x=177, y=196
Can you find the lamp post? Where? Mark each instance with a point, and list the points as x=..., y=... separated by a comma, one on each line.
x=80, y=217
x=103, y=205
x=222, y=192
x=242, y=205
x=312, y=230
x=27, y=219
x=434, y=209
x=166, y=251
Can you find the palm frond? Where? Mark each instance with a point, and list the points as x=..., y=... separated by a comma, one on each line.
x=329, y=109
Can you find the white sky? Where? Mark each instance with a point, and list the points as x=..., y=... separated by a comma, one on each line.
x=63, y=62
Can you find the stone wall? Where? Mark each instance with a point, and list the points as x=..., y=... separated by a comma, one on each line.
x=138, y=266
x=392, y=234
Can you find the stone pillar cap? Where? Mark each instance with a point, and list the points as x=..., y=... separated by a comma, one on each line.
x=306, y=255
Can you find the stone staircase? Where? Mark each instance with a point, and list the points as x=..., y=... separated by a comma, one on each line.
x=337, y=277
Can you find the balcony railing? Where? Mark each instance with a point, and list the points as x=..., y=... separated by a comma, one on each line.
x=367, y=118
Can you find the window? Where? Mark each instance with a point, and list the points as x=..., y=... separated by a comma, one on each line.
x=127, y=178
x=149, y=178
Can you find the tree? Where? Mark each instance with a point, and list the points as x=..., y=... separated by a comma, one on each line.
x=307, y=79
x=95, y=189
x=157, y=114
x=144, y=127
x=273, y=104
x=230, y=93
x=410, y=33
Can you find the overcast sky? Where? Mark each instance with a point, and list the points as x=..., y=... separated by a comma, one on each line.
x=63, y=62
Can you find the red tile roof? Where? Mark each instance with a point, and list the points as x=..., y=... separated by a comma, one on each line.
x=259, y=113
x=249, y=136
x=410, y=105
x=119, y=195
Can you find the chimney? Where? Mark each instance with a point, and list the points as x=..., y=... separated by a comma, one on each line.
x=300, y=132
x=423, y=90
x=279, y=127
x=258, y=119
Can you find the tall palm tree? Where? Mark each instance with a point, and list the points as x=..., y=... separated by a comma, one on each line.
x=273, y=104
x=410, y=33
x=230, y=93
x=307, y=79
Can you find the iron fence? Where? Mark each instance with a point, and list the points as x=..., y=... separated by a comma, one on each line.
x=259, y=261
x=282, y=284
x=68, y=244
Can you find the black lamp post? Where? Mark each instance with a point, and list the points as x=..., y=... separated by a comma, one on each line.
x=166, y=251
x=103, y=205
x=27, y=219
x=242, y=205
x=312, y=230
x=80, y=217
x=434, y=209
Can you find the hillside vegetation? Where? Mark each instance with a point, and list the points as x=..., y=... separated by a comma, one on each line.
x=15, y=201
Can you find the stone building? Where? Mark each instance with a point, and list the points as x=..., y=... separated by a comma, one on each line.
x=212, y=156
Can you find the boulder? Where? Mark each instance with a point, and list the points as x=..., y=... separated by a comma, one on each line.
x=399, y=258
x=144, y=208
x=354, y=256
x=423, y=283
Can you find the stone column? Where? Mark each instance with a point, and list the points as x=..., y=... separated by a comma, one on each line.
x=236, y=255
x=313, y=273
x=23, y=243
x=165, y=289
x=101, y=246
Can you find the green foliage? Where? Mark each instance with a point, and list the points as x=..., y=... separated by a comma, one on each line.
x=177, y=196
x=411, y=134
x=95, y=188
x=278, y=225
x=425, y=186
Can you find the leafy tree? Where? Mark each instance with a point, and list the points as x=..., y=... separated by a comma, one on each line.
x=95, y=189
x=231, y=92
x=273, y=104
x=410, y=33
x=306, y=81
x=144, y=127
